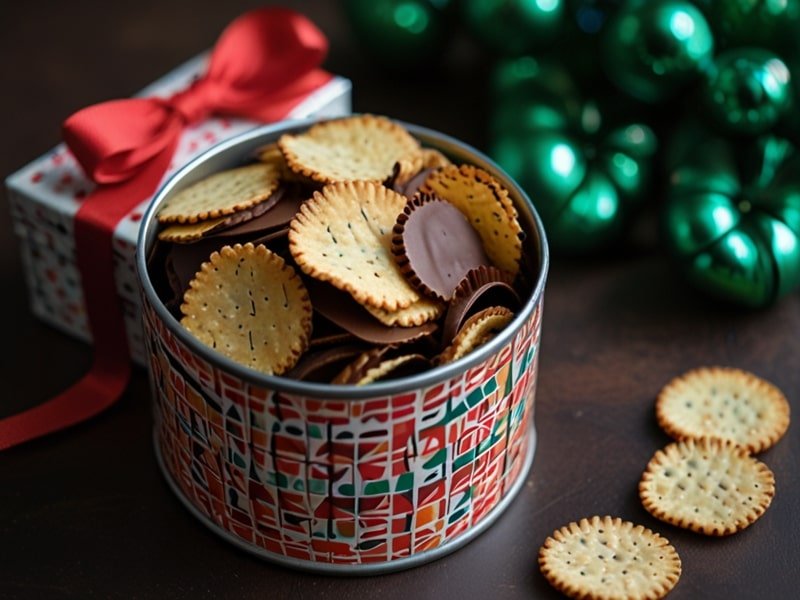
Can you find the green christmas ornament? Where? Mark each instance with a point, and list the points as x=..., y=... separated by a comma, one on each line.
x=591, y=15
x=516, y=81
x=733, y=218
x=790, y=126
x=582, y=175
x=401, y=34
x=513, y=27
x=651, y=48
x=773, y=24
x=748, y=90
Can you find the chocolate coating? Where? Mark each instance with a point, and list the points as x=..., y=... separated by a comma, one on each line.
x=340, y=308
x=279, y=215
x=436, y=246
x=323, y=365
x=481, y=288
x=411, y=187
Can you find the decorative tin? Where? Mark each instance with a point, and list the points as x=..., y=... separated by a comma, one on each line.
x=344, y=479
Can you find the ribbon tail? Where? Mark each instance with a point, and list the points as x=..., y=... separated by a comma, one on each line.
x=110, y=372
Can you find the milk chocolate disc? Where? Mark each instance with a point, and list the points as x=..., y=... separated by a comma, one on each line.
x=435, y=246
x=323, y=365
x=340, y=308
x=481, y=288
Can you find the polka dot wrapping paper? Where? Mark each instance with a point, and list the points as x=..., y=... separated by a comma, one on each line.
x=45, y=195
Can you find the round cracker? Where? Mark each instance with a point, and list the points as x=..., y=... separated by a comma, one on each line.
x=343, y=235
x=271, y=154
x=422, y=311
x=223, y=193
x=723, y=403
x=487, y=206
x=477, y=330
x=416, y=362
x=605, y=558
x=183, y=233
x=433, y=159
x=372, y=366
x=359, y=148
x=249, y=305
x=709, y=486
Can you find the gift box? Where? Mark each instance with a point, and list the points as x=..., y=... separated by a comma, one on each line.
x=45, y=195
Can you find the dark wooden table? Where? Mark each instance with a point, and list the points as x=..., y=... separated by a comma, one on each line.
x=85, y=513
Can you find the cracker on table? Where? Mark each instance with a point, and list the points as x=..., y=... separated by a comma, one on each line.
x=608, y=558
x=358, y=148
x=476, y=331
x=487, y=205
x=343, y=235
x=249, y=305
x=223, y=193
x=707, y=485
x=724, y=403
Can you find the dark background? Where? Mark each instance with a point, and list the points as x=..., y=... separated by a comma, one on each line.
x=85, y=513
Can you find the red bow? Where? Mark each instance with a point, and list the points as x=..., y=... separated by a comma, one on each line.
x=263, y=65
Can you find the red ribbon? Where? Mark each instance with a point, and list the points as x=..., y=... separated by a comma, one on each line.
x=263, y=65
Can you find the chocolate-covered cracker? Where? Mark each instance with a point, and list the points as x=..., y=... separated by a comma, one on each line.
x=221, y=194
x=280, y=213
x=487, y=205
x=323, y=365
x=340, y=308
x=186, y=233
x=379, y=363
x=435, y=246
x=479, y=289
x=410, y=188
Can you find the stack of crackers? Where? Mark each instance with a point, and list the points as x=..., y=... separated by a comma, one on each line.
x=707, y=481
x=347, y=254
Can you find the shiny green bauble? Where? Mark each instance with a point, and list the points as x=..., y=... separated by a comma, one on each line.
x=513, y=27
x=748, y=90
x=400, y=34
x=590, y=16
x=767, y=23
x=515, y=82
x=652, y=48
x=583, y=175
x=733, y=218
x=790, y=125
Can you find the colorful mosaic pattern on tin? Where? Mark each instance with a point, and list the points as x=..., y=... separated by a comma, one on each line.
x=343, y=481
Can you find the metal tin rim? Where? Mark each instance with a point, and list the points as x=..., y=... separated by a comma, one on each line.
x=377, y=568
x=262, y=135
